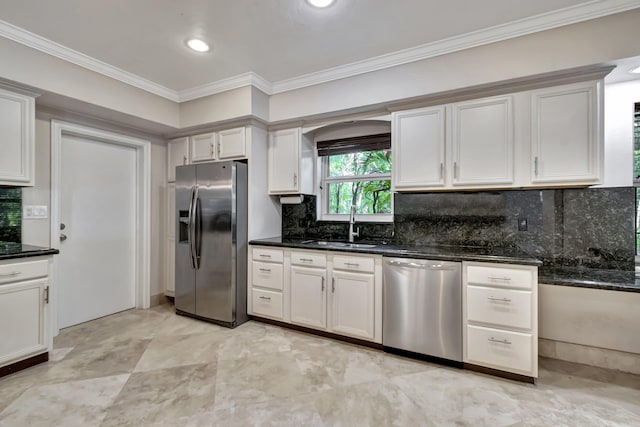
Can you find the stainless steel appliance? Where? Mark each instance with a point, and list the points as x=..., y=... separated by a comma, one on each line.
x=211, y=242
x=422, y=307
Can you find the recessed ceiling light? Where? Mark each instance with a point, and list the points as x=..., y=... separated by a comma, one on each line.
x=635, y=70
x=320, y=3
x=198, y=45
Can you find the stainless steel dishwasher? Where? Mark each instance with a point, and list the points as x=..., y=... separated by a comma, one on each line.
x=422, y=307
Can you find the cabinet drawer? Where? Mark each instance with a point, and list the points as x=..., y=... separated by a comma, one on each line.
x=309, y=259
x=23, y=270
x=341, y=262
x=264, y=254
x=495, y=348
x=267, y=303
x=266, y=275
x=502, y=307
x=500, y=276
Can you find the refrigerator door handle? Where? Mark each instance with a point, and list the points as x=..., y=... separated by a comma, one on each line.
x=190, y=234
x=197, y=229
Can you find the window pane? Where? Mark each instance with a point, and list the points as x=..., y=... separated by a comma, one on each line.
x=360, y=163
x=372, y=197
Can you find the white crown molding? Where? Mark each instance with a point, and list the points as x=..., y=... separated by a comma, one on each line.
x=546, y=21
x=57, y=50
x=571, y=15
x=224, y=85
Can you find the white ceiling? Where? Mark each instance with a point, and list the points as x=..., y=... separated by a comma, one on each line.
x=282, y=41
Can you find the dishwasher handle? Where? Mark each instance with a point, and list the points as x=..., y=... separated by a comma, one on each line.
x=421, y=266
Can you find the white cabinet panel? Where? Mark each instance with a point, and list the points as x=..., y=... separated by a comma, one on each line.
x=308, y=298
x=500, y=276
x=170, y=279
x=566, y=133
x=231, y=144
x=309, y=259
x=483, y=141
x=22, y=320
x=203, y=147
x=267, y=303
x=266, y=275
x=419, y=148
x=177, y=155
x=284, y=161
x=23, y=271
x=352, y=304
x=171, y=209
x=501, y=307
x=17, y=136
x=500, y=349
x=265, y=254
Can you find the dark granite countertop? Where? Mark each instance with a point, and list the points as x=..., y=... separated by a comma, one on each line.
x=444, y=252
x=9, y=250
x=617, y=280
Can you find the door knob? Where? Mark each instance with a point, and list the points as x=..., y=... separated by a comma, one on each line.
x=62, y=226
x=63, y=237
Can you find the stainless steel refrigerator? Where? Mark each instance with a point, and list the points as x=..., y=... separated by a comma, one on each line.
x=211, y=242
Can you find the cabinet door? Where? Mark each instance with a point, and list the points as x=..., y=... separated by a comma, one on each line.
x=566, y=145
x=178, y=155
x=17, y=158
x=482, y=142
x=170, y=266
x=22, y=320
x=308, y=301
x=231, y=143
x=419, y=148
x=203, y=147
x=352, y=304
x=284, y=161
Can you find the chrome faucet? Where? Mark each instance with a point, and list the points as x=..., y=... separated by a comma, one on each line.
x=352, y=221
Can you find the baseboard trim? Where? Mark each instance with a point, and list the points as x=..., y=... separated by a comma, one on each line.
x=588, y=355
x=24, y=364
x=317, y=332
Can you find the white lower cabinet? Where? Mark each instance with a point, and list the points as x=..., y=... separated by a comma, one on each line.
x=500, y=317
x=352, y=304
x=336, y=292
x=308, y=297
x=24, y=296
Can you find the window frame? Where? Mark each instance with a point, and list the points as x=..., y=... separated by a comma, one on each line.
x=323, y=188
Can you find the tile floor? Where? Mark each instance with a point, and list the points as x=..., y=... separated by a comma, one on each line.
x=153, y=368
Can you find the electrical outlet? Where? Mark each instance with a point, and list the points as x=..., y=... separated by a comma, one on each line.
x=522, y=224
x=35, y=212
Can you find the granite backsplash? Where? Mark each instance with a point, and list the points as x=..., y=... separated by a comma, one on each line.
x=592, y=227
x=10, y=214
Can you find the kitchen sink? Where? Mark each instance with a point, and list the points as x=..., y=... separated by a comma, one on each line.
x=345, y=245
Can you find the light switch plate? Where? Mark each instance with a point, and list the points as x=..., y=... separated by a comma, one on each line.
x=35, y=212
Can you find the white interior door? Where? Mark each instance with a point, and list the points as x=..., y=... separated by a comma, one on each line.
x=97, y=199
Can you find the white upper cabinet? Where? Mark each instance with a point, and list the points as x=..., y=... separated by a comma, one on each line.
x=17, y=136
x=482, y=142
x=566, y=134
x=232, y=143
x=203, y=147
x=418, y=144
x=178, y=155
x=290, y=162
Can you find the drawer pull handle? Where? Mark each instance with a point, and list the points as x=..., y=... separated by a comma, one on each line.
x=12, y=274
x=506, y=279
x=265, y=256
x=352, y=264
x=322, y=283
x=266, y=298
x=306, y=260
x=504, y=341
x=265, y=270
x=499, y=299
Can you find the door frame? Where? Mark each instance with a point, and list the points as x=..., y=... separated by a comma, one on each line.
x=59, y=129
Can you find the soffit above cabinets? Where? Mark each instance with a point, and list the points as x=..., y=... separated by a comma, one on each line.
x=273, y=45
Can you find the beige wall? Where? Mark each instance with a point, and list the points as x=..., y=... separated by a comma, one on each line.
x=37, y=232
x=591, y=42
